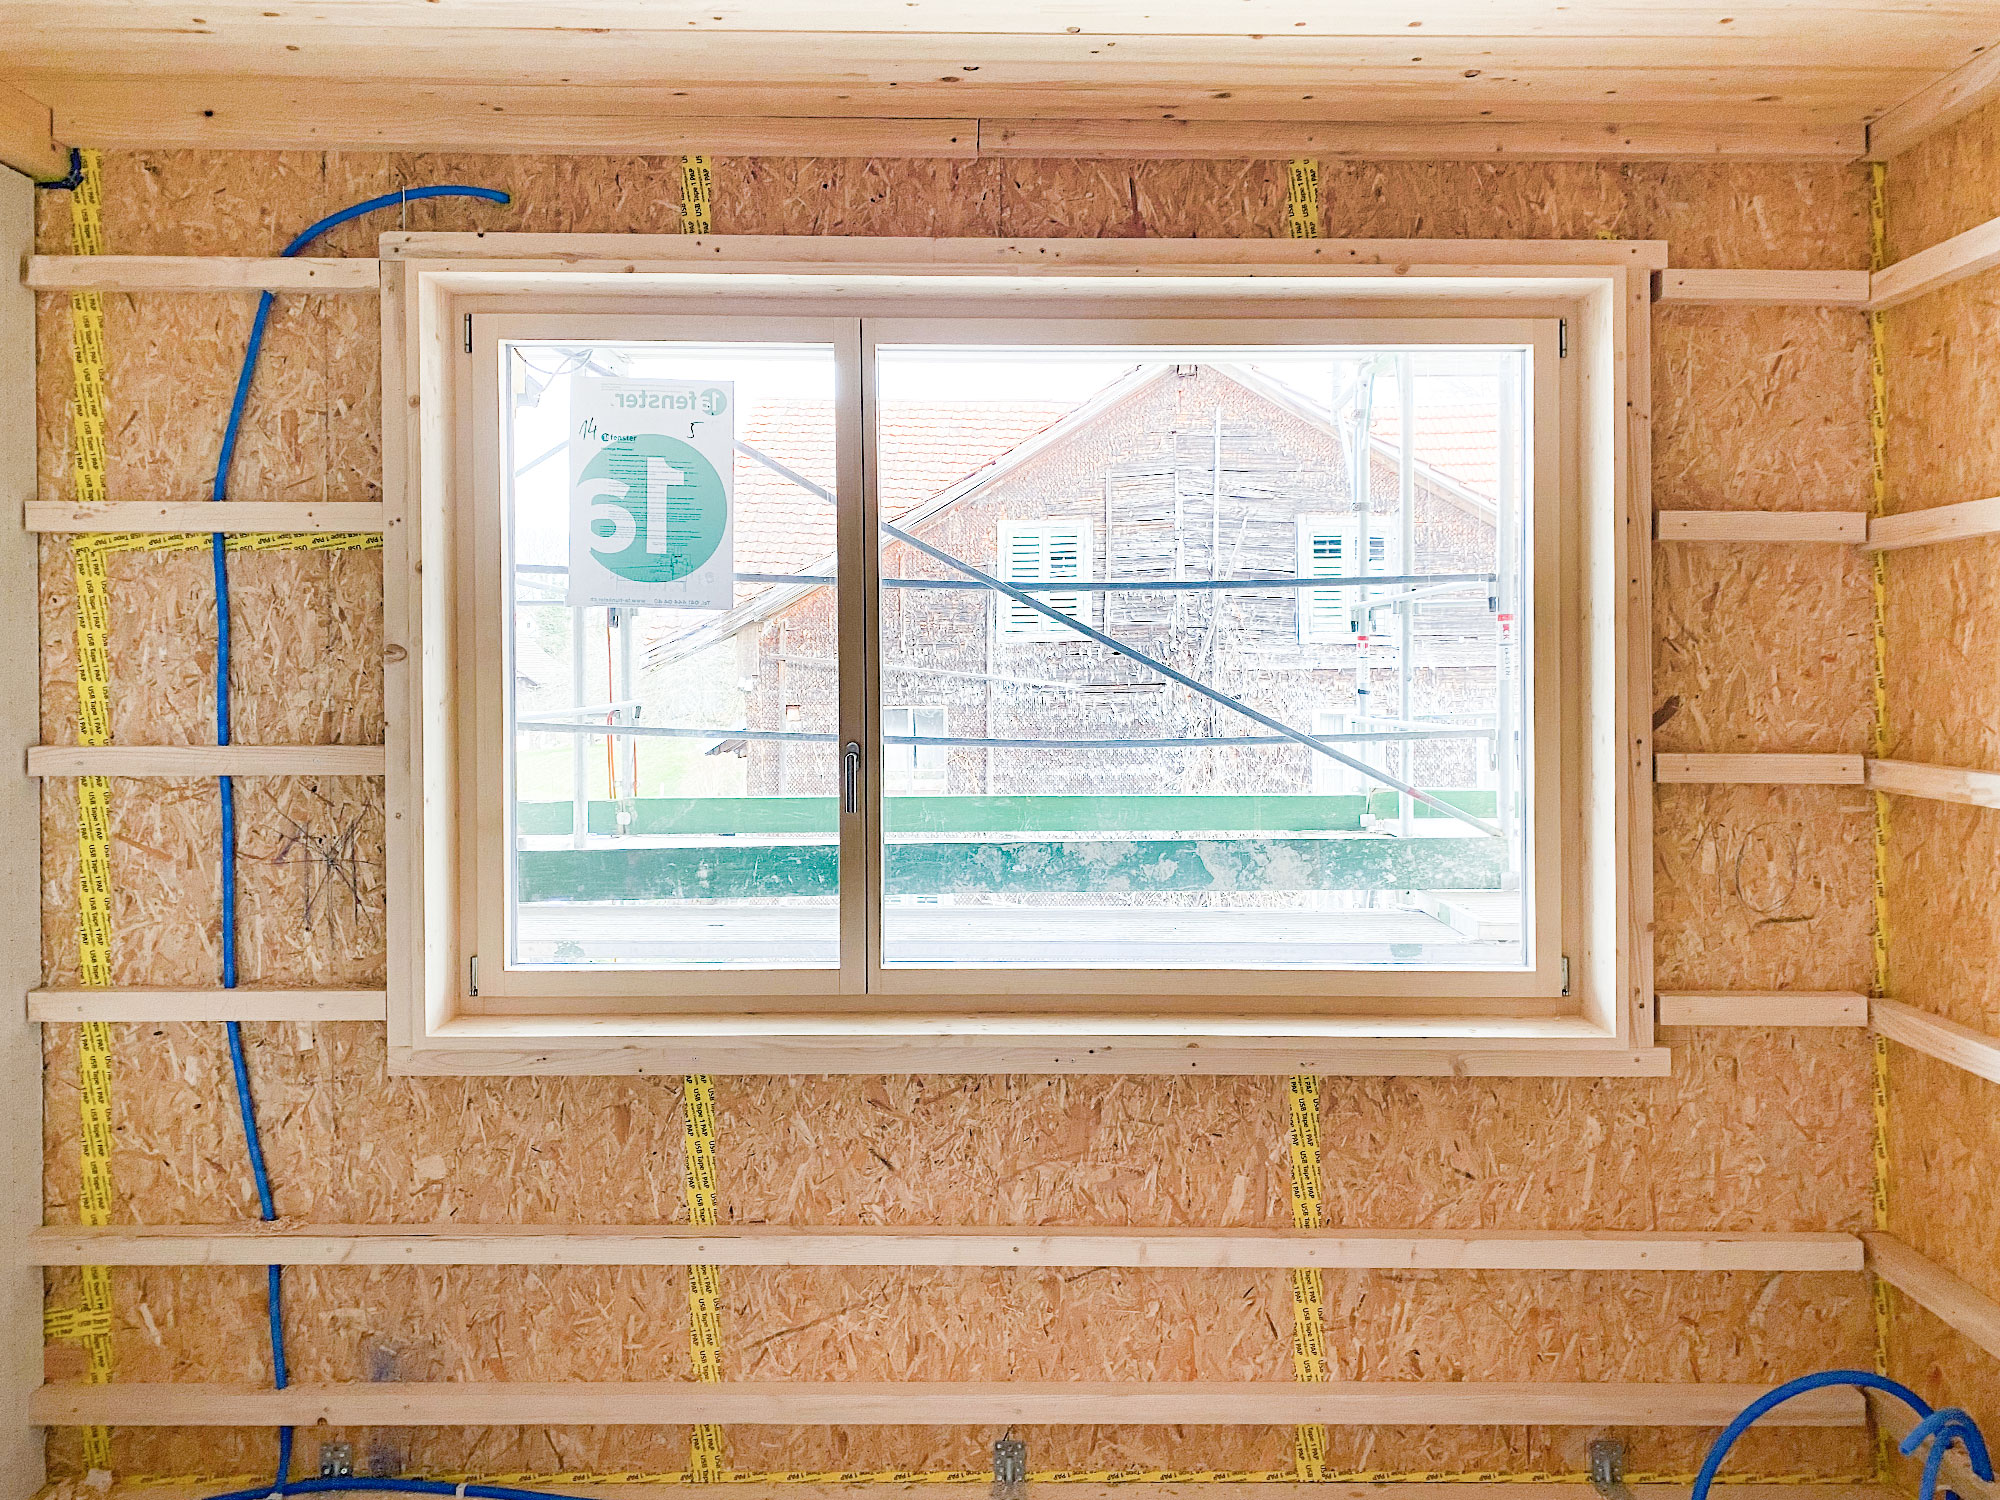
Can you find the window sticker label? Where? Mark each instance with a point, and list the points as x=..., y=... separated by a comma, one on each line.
x=652, y=494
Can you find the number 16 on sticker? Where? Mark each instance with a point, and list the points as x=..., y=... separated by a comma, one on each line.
x=652, y=494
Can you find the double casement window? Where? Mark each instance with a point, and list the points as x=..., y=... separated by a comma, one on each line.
x=941, y=660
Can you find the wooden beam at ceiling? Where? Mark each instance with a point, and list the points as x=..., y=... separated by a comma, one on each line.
x=203, y=273
x=1935, y=1036
x=153, y=1006
x=1939, y=523
x=1963, y=255
x=206, y=760
x=1848, y=526
x=1437, y=141
x=477, y=1403
x=301, y=517
x=1935, y=106
x=1765, y=288
x=1113, y=116
x=1763, y=1008
x=1909, y=778
x=28, y=137
x=1935, y=1289
x=767, y=1245
x=1760, y=770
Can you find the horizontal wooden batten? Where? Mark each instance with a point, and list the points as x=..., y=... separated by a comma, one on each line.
x=302, y=516
x=1940, y=523
x=1937, y=1290
x=1763, y=1008
x=206, y=760
x=146, y=1006
x=764, y=1245
x=203, y=273
x=1935, y=1036
x=1895, y=1420
x=1760, y=770
x=1963, y=255
x=1909, y=778
x=985, y=1403
x=1760, y=525
x=1765, y=288
x=1433, y=141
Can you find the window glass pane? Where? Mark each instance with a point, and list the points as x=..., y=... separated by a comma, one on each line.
x=1194, y=760
x=671, y=705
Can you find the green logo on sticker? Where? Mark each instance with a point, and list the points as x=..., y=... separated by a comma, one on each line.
x=657, y=507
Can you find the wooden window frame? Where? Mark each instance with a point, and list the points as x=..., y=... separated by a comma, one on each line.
x=1597, y=291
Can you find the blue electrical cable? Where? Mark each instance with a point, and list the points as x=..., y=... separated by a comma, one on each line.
x=364, y=1484
x=1945, y=1426
x=219, y=565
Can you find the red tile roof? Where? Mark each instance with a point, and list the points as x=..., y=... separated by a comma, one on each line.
x=926, y=447
x=1461, y=442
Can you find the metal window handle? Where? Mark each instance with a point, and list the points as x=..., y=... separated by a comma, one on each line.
x=850, y=778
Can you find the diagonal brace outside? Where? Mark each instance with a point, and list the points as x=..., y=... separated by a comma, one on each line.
x=1216, y=695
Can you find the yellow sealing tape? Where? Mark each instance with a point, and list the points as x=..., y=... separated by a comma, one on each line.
x=705, y=1456
x=1302, y=199
x=1308, y=1293
x=695, y=187
x=90, y=1321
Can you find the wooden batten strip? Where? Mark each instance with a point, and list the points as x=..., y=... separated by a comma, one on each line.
x=303, y=517
x=1940, y=523
x=765, y=1245
x=1935, y=1036
x=149, y=1006
x=1760, y=770
x=478, y=1403
x=27, y=137
x=1895, y=1420
x=1763, y=1008
x=204, y=273
x=1760, y=525
x=1765, y=288
x=1445, y=140
x=206, y=760
x=1963, y=255
x=1937, y=1290
x=1909, y=778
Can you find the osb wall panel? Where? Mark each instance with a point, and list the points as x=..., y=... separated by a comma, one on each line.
x=1944, y=613
x=1947, y=183
x=1758, y=888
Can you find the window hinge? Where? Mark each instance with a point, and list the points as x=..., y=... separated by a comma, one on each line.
x=475, y=988
x=1562, y=337
x=468, y=333
x=473, y=977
